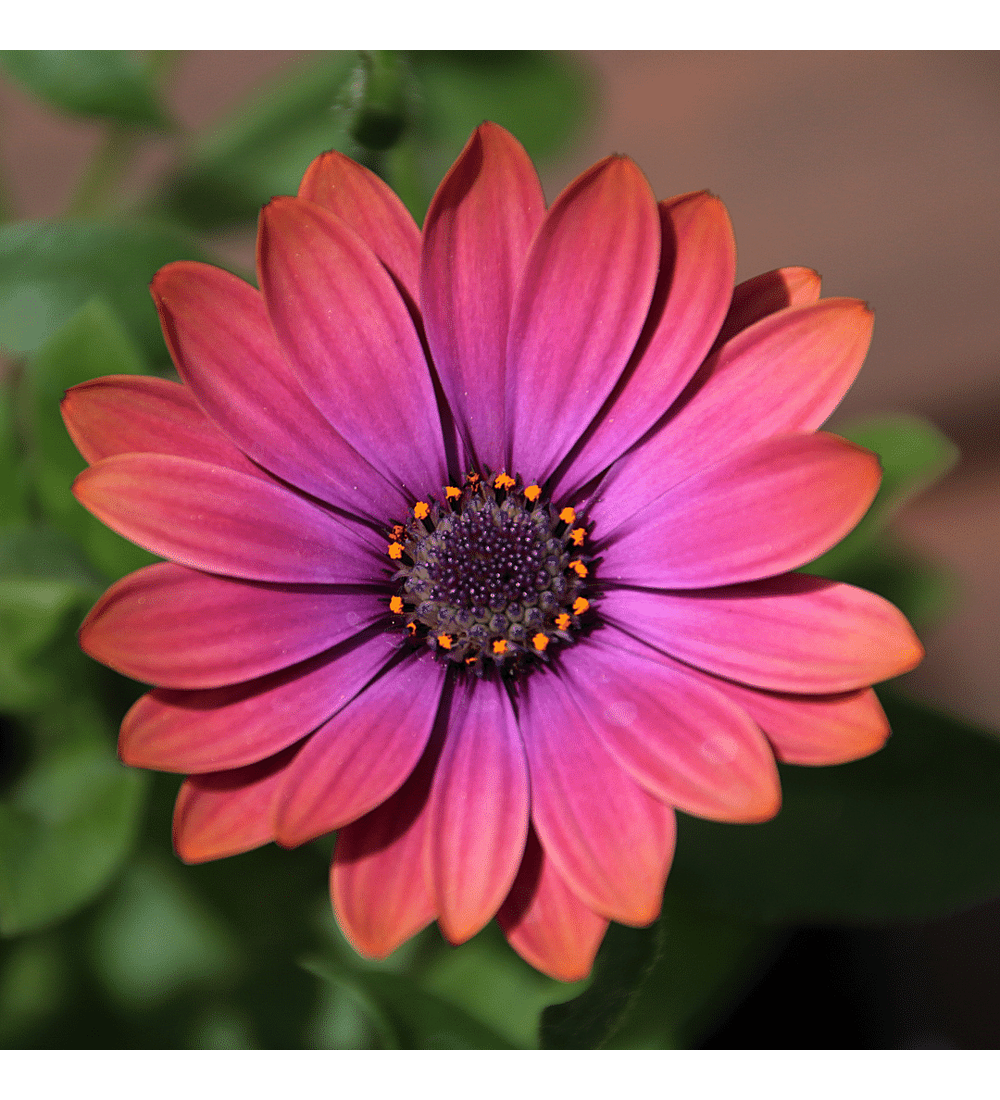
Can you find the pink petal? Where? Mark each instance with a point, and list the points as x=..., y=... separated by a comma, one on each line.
x=213, y=518
x=790, y=633
x=476, y=237
x=765, y=294
x=546, y=923
x=682, y=740
x=478, y=811
x=349, y=336
x=229, y=727
x=762, y=511
x=579, y=310
x=786, y=373
x=377, y=878
x=363, y=753
x=171, y=626
x=372, y=209
x=127, y=413
x=225, y=813
x=611, y=841
x=698, y=260
x=814, y=729
x=221, y=340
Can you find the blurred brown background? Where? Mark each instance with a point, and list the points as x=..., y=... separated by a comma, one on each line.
x=882, y=171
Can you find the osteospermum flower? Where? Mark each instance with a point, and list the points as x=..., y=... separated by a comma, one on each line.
x=479, y=544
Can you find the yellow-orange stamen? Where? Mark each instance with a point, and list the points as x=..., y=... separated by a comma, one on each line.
x=567, y=515
x=444, y=641
x=500, y=646
x=451, y=493
x=504, y=481
x=396, y=605
x=397, y=530
x=580, y=605
x=395, y=550
x=578, y=568
x=533, y=492
x=411, y=627
x=421, y=510
x=577, y=535
x=472, y=478
x=562, y=621
x=540, y=642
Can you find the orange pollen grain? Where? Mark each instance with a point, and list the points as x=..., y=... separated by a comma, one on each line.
x=444, y=641
x=500, y=646
x=421, y=510
x=396, y=605
x=578, y=568
x=577, y=535
x=411, y=627
x=540, y=641
x=567, y=515
x=562, y=621
x=451, y=492
x=397, y=531
x=533, y=492
x=503, y=481
x=395, y=550
x=580, y=605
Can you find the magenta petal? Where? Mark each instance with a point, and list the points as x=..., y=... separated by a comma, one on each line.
x=692, y=292
x=225, y=813
x=221, y=340
x=172, y=626
x=790, y=633
x=765, y=294
x=476, y=237
x=681, y=739
x=372, y=209
x=611, y=841
x=216, y=519
x=127, y=413
x=546, y=923
x=786, y=373
x=813, y=729
x=350, y=337
x=229, y=727
x=363, y=753
x=377, y=878
x=580, y=307
x=762, y=511
x=479, y=809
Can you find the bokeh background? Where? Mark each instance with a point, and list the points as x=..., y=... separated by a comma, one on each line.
x=882, y=171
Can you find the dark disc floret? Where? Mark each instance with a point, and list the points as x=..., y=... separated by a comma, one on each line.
x=491, y=575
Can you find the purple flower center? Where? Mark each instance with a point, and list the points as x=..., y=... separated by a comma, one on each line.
x=492, y=576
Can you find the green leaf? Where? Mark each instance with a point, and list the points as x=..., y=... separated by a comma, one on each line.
x=489, y=981
x=703, y=963
x=92, y=343
x=68, y=824
x=14, y=496
x=48, y=270
x=406, y=1015
x=265, y=146
x=112, y=84
x=624, y=961
x=155, y=937
x=911, y=832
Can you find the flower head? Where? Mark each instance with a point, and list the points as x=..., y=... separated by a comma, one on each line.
x=479, y=545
